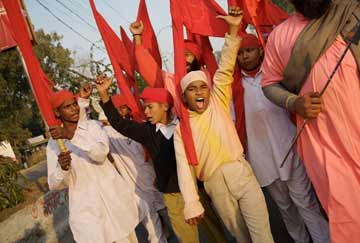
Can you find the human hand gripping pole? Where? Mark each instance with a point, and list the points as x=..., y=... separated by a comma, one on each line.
x=354, y=40
x=64, y=157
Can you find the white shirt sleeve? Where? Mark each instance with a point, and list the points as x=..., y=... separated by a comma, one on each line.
x=84, y=105
x=187, y=185
x=57, y=177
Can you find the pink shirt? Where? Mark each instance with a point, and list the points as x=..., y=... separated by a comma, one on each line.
x=329, y=145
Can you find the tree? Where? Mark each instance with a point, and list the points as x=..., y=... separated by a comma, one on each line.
x=10, y=192
x=19, y=115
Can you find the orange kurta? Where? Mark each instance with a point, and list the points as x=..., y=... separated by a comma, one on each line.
x=330, y=144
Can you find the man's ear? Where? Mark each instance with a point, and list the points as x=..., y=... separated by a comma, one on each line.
x=57, y=113
x=184, y=98
x=166, y=106
x=261, y=52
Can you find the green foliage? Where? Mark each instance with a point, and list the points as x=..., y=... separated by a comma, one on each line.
x=20, y=118
x=140, y=82
x=285, y=5
x=10, y=192
x=15, y=100
x=55, y=60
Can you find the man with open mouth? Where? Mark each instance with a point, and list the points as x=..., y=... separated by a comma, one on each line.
x=227, y=176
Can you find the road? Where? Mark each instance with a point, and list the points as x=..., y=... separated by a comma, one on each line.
x=277, y=226
x=35, y=172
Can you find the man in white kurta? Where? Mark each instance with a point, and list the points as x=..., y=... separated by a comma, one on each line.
x=129, y=159
x=102, y=207
x=269, y=131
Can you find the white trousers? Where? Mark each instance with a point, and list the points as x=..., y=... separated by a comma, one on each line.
x=237, y=197
x=151, y=221
x=299, y=207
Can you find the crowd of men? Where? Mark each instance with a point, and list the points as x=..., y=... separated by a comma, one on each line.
x=121, y=172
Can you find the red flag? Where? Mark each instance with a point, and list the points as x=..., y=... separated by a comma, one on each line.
x=200, y=16
x=238, y=99
x=39, y=82
x=119, y=59
x=129, y=46
x=6, y=39
x=180, y=71
x=148, y=37
x=263, y=14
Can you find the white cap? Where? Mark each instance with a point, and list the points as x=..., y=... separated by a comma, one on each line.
x=191, y=77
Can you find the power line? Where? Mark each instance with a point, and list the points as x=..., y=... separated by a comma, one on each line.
x=84, y=7
x=63, y=12
x=68, y=26
x=115, y=10
x=84, y=20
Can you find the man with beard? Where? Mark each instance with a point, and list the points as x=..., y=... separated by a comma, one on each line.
x=301, y=54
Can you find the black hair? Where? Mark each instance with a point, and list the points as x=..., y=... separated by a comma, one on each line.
x=195, y=65
x=311, y=9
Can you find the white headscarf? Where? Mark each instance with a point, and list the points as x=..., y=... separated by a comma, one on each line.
x=191, y=77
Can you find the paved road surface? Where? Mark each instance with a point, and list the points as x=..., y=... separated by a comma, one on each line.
x=35, y=172
x=277, y=226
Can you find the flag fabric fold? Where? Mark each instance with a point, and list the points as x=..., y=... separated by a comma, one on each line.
x=40, y=83
x=120, y=60
x=262, y=14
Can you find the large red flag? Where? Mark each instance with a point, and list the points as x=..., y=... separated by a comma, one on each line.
x=119, y=59
x=180, y=71
x=148, y=37
x=39, y=82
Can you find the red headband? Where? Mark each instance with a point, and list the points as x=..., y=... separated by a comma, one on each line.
x=194, y=49
x=118, y=100
x=249, y=40
x=159, y=95
x=58, y=98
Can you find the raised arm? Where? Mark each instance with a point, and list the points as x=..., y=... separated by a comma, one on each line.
x=129, y=128
x=223, y=77
x=147, y=66
x=84, y=101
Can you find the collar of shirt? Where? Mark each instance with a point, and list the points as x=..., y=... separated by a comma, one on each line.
x=248, y=76
x=167, y=130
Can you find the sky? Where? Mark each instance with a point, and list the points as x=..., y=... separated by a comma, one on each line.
x=116, y=12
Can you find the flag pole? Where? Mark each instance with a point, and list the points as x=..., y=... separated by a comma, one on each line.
x=60, y=142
